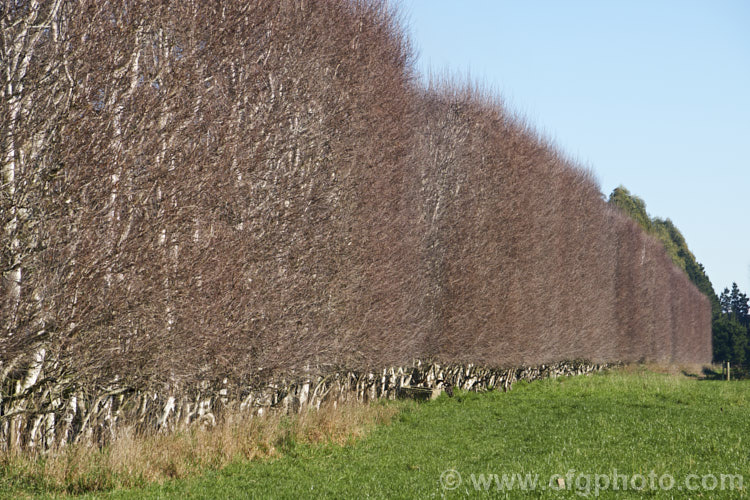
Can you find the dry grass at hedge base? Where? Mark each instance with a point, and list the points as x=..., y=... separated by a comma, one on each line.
x=135, y=460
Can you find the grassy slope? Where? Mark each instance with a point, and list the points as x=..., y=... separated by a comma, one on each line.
x=633, y=422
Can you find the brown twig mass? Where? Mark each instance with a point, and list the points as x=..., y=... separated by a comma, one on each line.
x=209, y=189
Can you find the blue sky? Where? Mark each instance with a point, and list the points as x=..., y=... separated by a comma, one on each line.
x=653, y=95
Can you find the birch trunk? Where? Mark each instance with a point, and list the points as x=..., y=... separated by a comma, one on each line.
x=21, y=38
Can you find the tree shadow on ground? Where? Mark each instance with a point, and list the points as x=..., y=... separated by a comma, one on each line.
x=736, y=373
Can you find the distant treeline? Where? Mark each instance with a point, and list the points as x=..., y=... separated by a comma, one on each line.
x=730, y=323
x=672, y=239
x=201, y=190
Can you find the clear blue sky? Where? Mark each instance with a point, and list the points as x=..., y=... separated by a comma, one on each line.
x=653, y=95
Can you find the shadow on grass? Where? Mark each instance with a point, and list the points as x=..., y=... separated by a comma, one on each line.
x=736, y=373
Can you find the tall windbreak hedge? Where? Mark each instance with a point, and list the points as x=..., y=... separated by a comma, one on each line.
x=209, y=190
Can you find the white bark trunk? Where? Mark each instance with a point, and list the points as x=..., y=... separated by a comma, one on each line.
x=9, y=182
x=18, y=409
x=20, y=40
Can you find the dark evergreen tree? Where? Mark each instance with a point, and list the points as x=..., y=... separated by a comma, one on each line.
x=730, y=340
x=725, y=302
x=738, y=303
x=731, y=327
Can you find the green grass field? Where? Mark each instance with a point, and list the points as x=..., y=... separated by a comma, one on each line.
x=671, y=435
